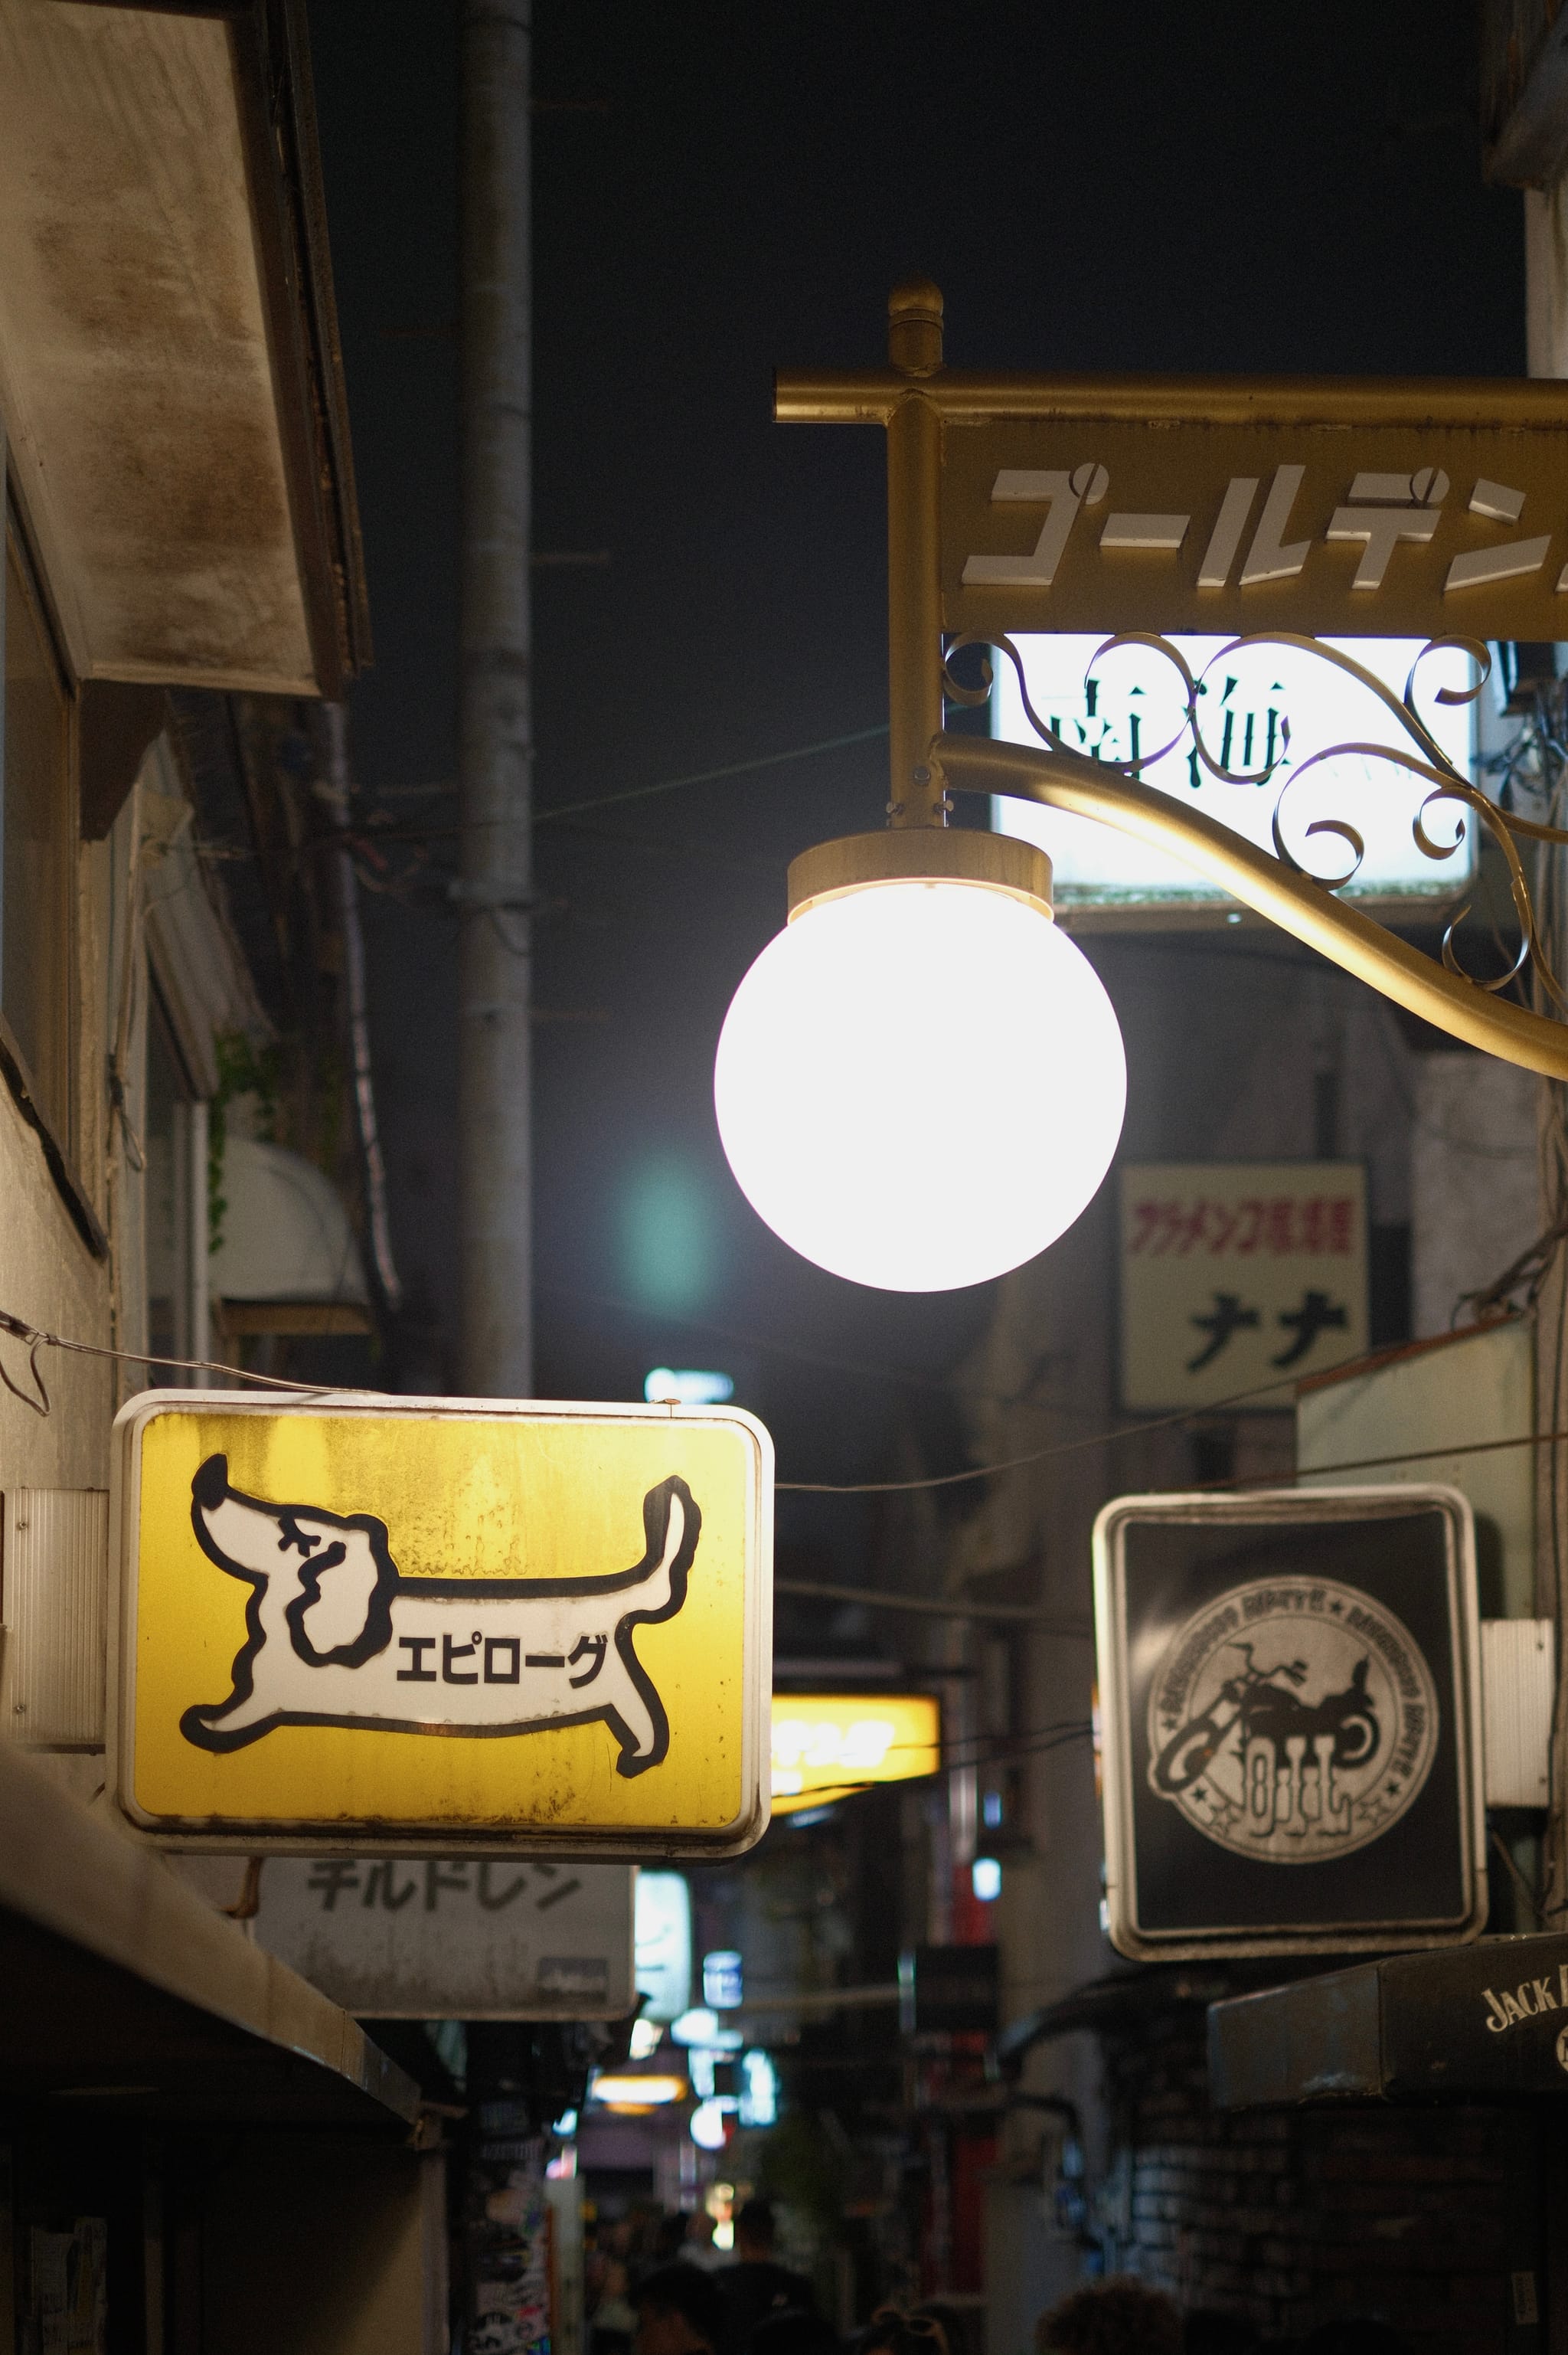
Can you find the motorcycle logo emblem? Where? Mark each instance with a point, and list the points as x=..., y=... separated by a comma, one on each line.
x=1292, y=1720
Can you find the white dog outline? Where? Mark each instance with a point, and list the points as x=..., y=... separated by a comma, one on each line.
x=332, y=1606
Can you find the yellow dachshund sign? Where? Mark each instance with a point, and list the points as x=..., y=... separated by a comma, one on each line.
x=369, y=1623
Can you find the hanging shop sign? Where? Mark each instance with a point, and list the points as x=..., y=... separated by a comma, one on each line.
x=1267, y=712
x=662, y=1944
x=366, y=1624
x=828, y=1745
x=1483, y=2025
x=1288, y=1684
x=454, y=1937
x=1234, y=1274
x=1339, y=508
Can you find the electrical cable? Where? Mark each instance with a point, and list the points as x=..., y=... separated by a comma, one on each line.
x=936, y=1606
x=1061, y=1447
x=712, y=776
x=1057, y=1737
x=1378, y=1463
x=34, y=1338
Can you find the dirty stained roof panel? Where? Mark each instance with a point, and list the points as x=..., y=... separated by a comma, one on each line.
x=169, y=373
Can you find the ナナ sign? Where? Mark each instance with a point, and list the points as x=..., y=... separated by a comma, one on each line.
x=1236, y=1273
x=366, y=1623
x=1291, y=1699
x=454, y=1937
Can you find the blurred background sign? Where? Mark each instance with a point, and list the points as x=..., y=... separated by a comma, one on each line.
x=826, y=1746
x=1236, y=1273
x=454, y=1937
x=664, y=1948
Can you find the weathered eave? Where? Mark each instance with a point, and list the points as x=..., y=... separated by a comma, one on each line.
x=170, y=370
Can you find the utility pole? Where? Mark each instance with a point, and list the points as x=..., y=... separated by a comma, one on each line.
x=494, y=889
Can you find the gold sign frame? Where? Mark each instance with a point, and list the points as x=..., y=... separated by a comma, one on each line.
x=1432, y=495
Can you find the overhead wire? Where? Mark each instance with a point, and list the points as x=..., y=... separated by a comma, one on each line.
x=712, y=776
x=1046, y=1454
x=35, y=1337
x=1009, y=1747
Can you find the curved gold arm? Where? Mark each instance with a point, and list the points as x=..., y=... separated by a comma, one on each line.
x=1294, y=902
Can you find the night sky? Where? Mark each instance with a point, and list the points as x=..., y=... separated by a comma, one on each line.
x=719, y=190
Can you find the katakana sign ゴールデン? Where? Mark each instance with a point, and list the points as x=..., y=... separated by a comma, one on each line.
x=1289, y=1691
x=1234, y=1274
x=1391, y=510
x=393, y=1623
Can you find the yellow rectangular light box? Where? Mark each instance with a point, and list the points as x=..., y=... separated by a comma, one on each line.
x=363, y=1623
x=826, y=1746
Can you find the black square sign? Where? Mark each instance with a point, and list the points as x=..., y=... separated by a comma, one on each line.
x=1288, y=1684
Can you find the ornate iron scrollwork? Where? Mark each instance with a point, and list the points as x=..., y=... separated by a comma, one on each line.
x=1420, y=755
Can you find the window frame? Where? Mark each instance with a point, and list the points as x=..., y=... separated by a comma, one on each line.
x=192, y=1337
x=56, y=1137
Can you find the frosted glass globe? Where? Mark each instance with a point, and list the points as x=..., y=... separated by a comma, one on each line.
x=920, y=1084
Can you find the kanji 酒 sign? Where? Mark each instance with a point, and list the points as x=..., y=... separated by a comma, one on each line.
x=377, y=1623
x=1236, y=1273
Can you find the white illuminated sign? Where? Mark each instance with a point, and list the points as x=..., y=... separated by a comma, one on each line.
x=662, y=1944
x=668, y=1386
x=723, y=1979
x=1130, y=702
x=759, y=2091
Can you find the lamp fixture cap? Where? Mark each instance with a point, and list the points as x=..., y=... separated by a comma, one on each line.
x=921, y=854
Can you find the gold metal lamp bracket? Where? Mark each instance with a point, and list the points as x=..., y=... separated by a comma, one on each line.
x=914, y=395
x=1295, y=902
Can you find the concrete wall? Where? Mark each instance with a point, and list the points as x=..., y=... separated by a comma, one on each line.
x=47, y=1272
x=1290, y=2219
x=316, y=2245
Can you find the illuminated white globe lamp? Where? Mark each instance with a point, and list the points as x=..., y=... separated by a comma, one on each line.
x=920, y=1083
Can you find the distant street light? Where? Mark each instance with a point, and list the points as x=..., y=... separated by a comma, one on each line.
x=625, y=2089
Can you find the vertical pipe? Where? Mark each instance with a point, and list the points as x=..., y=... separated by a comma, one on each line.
x=1546, y=346
x=201, y=1245
x=493, y=891
x=193, y=1287
x=914, y=567
x=357, y=1015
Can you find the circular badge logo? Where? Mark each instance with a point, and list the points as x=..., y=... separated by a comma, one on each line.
x=1292, y=1720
